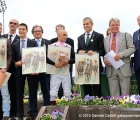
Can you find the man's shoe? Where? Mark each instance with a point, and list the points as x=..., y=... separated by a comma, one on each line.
x=29, y=117
x=12, y=118
x=5, y=118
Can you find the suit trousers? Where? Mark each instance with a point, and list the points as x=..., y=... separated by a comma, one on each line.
x=119, y=85
x=137, y=73
x=20, y=83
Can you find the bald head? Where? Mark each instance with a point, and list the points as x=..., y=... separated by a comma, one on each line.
x=62, y=35
x=13, y=25
x=138, y=20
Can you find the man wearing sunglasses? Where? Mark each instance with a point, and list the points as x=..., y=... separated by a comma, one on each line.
x=136, y=39
x=13, y=37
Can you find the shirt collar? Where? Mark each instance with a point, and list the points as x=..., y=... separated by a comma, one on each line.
x=89, y=32
x=61, y=43
x=24, y=39
x=13, y=35
x=116, y=34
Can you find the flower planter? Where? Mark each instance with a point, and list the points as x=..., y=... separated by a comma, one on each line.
x=26, y=108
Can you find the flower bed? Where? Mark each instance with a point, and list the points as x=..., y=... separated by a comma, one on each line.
x=91, y=107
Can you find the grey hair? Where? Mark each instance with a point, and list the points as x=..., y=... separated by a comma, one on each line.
x=114, y=20
x=59, y=25
x=0, y=23
x=88, y=18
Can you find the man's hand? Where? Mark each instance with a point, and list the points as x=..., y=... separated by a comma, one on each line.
x=81, y=52
x=57, y=65
x=117, y=57
x=106, y=63
x=35, y=73
x=65, y=63
x=3, y=70
x=19, y=63
x=91, y=52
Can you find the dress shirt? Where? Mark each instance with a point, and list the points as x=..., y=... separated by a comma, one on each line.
x=90, y=33
x=13, y=36
x=38, y=42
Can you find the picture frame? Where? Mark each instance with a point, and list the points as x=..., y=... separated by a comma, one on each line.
x=87, y=69
x=34, y=60
x=3, y=53
x=58, y=54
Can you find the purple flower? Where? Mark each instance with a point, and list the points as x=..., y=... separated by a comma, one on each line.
x=54, y=116
x=87, y=97
x=92, y=98
x=74, y=94
x=107, y=97
x=137, y=97
x=138, y=102
x=79, y=100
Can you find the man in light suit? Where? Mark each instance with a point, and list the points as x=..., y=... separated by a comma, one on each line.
x=13, y=37
x=122, y=45
x=95, y=45
x=136, y=38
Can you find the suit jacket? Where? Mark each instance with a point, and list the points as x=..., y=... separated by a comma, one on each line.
x=68, y=41
x=12, y=66
x=17, y=55
x=137, y=52
x=46, y=43
x=95, y=45
x=9, y=54
x=125, y=49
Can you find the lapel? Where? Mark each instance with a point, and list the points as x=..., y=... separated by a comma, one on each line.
x=17, y=38
x=120, y=39
x=42, y=42
x=107, y=40
x=92, y=37
x=83, y=40
x=28, y=43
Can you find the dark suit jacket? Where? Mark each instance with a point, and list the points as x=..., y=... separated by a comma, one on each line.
x=68, y=41
x=46, y=43
x=137, y=52
x=95, y=45
x=9, y=53
x=17, y=55
x=12, y=66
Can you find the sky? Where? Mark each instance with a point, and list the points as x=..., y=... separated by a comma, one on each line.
x=49, y=13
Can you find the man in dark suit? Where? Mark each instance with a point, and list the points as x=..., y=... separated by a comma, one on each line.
x=71, y=43
x=136, y=39
x=24, y=42
x=91, y=42
x=13, y=37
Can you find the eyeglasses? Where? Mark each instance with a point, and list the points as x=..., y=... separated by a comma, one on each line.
x=38, y=31
x=65, y=35
x=13, y=23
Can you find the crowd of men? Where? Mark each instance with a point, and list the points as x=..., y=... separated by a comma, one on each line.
x=90, y=42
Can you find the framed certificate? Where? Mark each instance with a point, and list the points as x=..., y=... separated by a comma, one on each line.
x=3, y=53
x=58, y=54
x=87, y=69
x=34, y=60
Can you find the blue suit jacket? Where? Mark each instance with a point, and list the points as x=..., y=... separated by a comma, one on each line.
x=137, y=52
x=17, y=55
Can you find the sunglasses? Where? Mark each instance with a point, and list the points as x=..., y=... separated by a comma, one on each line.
x=65, y=35
x=13, y=23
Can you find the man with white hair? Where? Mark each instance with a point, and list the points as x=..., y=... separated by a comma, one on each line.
x=122, y=44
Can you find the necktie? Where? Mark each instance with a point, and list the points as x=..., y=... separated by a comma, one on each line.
x=10, y=38
x=22, y=45
x=87, y=39
x=38, y=42
x=113, y=45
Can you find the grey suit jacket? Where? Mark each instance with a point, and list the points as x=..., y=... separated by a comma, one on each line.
x=125, y=48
